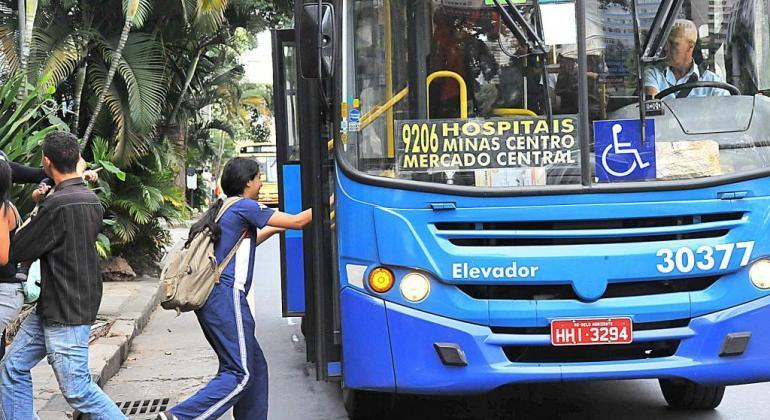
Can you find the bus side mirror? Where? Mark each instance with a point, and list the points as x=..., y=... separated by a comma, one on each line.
x=316, y=62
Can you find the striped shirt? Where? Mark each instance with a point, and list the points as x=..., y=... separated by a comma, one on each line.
x=63, y=236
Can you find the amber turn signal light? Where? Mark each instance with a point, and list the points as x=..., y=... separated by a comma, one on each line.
x=381, y=280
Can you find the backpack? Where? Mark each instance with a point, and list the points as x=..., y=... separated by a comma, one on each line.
x=192, y=272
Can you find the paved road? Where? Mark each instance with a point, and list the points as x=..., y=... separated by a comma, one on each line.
x=172, y=359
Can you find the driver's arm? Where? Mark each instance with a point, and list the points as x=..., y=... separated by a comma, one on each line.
x=651, y=81
x=650, y=91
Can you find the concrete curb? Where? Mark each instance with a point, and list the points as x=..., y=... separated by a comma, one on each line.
x=118, y=343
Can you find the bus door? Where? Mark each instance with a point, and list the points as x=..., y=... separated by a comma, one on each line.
x=307, y=181
x=289, y=172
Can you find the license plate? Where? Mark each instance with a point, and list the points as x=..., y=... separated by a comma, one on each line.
x=585, y=332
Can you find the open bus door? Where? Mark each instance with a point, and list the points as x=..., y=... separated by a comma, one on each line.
x=306, y=180
x=289, y=172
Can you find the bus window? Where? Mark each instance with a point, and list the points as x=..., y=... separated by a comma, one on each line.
x=700, y=130
x=476, y=70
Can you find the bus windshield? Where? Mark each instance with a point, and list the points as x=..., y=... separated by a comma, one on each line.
x=446, y=91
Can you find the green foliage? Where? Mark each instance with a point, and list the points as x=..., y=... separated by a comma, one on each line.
x=138, y=209
x=177, y=86
x=24, y=124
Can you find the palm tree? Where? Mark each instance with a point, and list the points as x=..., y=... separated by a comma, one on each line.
x=27, y=13
x=131, y=9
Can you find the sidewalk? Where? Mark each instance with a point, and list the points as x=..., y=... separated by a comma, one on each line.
x=172, y=359
x=127, y=306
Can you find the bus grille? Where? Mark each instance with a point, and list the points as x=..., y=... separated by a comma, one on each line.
x=638, y=326
x=587, y=232
x=566, y=292
x=596, y=353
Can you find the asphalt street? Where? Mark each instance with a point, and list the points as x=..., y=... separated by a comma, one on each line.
x=172, y=359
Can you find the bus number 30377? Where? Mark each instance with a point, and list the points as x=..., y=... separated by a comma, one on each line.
x=685, y=259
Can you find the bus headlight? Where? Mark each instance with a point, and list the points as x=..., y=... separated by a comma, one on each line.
x=415, y=287
x=381, y=280
x=759, y=273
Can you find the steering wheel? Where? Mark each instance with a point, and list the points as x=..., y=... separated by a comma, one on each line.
x=692, y=85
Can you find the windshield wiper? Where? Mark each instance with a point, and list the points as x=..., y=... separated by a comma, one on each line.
x=659, y=30
x=653, y=46
x=533, y=38
x=522, y=30
x=639, y=73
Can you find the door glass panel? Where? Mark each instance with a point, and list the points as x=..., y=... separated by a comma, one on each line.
x=290, y=77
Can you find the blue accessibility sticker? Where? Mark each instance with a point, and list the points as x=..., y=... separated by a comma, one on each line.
x=355, y=115
x=621, y=155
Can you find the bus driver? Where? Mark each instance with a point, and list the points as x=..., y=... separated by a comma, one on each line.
x=681, y=68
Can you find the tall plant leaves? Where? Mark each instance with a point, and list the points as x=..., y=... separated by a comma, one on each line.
x=142, y=69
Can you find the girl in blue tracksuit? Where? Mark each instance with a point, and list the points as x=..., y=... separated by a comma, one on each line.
x=226, y=320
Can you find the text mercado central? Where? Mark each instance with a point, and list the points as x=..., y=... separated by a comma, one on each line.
x=464, y=97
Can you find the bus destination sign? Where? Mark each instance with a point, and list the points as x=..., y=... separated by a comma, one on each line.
x=464, y=144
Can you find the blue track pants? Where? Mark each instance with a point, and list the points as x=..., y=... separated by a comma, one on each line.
x=241, y=382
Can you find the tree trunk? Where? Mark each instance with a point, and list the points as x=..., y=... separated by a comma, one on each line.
x=175, y=130
x=27, y=12
x=176, y=137
x=80, y=82
x=108, y=81
x=221, y=152
x=188, y=79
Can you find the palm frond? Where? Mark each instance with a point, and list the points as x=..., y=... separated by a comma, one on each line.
x=9, y=57
x=124, y=228
x=153, y=198
x=142, y=12
x=129, y=142
x=55, y=51
x=210, y=14
x=136, y=209
x=142, y=68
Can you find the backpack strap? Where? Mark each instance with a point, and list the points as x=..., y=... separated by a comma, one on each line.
x=230, y=256
x=229, y=202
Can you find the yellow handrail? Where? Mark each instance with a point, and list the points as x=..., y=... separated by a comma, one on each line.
x=463, y=89
x=507, y=112
x=378, y=110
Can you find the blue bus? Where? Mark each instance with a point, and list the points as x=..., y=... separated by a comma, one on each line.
x=527, y=191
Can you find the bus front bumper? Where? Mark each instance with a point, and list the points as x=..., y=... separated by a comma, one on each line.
x=390, y=347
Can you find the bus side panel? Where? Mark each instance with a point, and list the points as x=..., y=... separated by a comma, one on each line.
x=295, y=262
x=367, y=361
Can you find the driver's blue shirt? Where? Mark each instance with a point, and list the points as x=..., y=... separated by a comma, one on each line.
x=663, y=78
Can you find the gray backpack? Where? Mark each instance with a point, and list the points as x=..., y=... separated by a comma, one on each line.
x=192, y=272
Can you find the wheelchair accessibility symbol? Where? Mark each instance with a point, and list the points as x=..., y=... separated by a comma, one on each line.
x=620, y=155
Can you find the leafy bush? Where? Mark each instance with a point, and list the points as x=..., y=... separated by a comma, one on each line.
x=139, y=209
x=24, y=125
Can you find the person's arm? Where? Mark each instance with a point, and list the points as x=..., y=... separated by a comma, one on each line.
x=5, y=235
x=650, y=82
x=87, y=174
x=260, y=216
x=40, y=192
x=267, y=232
x=37, y=238
x=291, y=221
x=21, y=174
